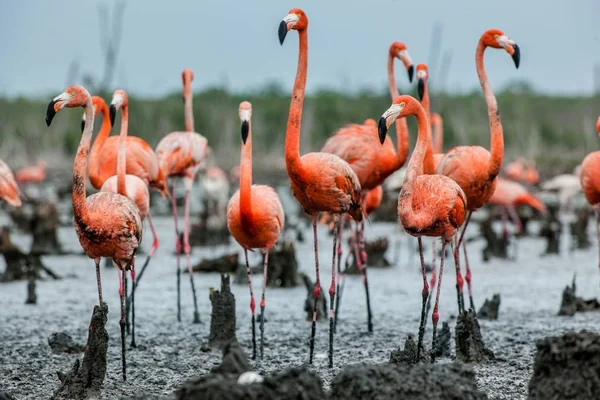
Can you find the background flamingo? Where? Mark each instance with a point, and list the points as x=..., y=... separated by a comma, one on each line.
x=321, y=182
x=255, y=218
x=428, y=205
x=566, y=186
x=181, y=154
x=32, y=173
x=475, y=168
x=107, y=224
x=9, y=190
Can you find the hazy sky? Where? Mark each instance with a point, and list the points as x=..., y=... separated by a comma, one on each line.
x=235, y=42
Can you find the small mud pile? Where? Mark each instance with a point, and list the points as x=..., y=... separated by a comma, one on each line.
x=496, y=245
x=469, y=342
x=572, y=304
x=222, y=320
x=403, y=381
x=551, y=230
x=309, y=303
x=61, y=342
x=442, y=347
x=6, y=396
x=566, y=367
x=85, y=379
x=282, y=270
x=408, y=355
x=234, y=360
x=490, y=308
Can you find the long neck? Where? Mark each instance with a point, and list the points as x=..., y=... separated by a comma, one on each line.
x=497, y=137
x=80, y=166
x=438, y=135
x=292, y=139
x=97, y=146
x=246, y=178
x=418, y=155
x=428, y=165
x=122, y=154
x=189, y=111
x=401, y=125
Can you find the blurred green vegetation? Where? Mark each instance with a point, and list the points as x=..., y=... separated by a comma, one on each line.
x=555, y=131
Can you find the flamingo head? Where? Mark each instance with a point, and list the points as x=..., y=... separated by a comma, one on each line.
x=497, y=39
x=422, y=75
x=187, y=76
x=245, y=112
x=398, y=50
x=73, y=96
x=98, y=104
x=296, y=19
x=402, y=106
x=119, y=100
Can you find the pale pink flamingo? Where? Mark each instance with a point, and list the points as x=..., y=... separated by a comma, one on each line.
x=9, y=190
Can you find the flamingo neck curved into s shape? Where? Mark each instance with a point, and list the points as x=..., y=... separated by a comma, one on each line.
x=80, y=166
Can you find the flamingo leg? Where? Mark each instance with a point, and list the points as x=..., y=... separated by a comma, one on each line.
x=597, y=215
x=342, y=276
x=133, y=284
x=186, y=245
x=252, y=304
x=332, y=289
x=436, y=315
x=177, y=251
x=317, y=292
x=425, y=295
x=433, y=279
x=468, y=277
x=363, y=273
x=459, y=278
x=98, y=279
x=263, y=303
x=122, y=283
x=504, y=223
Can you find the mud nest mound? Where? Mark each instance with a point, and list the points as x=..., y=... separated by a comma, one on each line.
x=572, y=304
x=469, y=342
x=282, y=270
x=408, y=355
x=566, y=367
x=490, y=308
x=376, y=250
x=407, y=382
x=222, y=320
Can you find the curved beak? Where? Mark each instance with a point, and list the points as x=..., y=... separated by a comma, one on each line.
x=421, y=88
x=516, y=55
x=113, y=112
x=245, y=130
x=50, y=112
x=411, y=71
x=382, y=128
x=283, y=30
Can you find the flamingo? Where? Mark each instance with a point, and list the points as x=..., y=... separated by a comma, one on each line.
x=567, y=186
x=359, y=146
x=107, y=224
x=522, y=170
x=475, y=168
x=590, y=183
x=137, y=191
x=32, y=173
x=9, y=190
x=141, y=162
x=509, y=194
x=255, y=218
x=181, y=154
x=428, y=205
x=321, y=182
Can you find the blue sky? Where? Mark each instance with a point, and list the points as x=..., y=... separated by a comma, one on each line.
x=234, y=43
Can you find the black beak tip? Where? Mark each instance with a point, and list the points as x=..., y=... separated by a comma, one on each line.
x=245, y=131
x=516, y=56
x=113, y=112
x=421, y=89
x=382, y=128
x=82, y=125
x=50, y=113
x=282, y=31
x=411, y=71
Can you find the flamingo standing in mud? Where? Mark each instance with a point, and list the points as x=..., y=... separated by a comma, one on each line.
x=428, y=205
x=107, y=224
x=590, y=183
x=136, y=191
x=475, y=168
x=321, y=182
x=9, y=190
x=255, y=218
x=181, y=154
x=359, y=146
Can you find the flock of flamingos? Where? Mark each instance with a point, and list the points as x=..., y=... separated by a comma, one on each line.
x=438, y=196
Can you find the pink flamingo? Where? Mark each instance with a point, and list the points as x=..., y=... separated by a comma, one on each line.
x=181, y=154
x=321, y=182
x=107, y=224
x=9, y=190
x=255, y=218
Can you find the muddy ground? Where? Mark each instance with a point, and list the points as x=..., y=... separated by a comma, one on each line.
x=169, y=352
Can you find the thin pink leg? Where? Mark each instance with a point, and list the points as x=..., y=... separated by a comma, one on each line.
x=252, y=304
x=515, y=218
x=597, y=215
x=459, y=279
x=363, y=274
x=317, y=291
x=263, y=303
x=332, y=288
x=122, y=280
x=177, y=251
x=186, y=245
x=154, y=235
x=147, y=261
x=424, y=295
x=98, y=279
x=133, y=284
x=342, y=276
x=435, y=317
x=468, y=277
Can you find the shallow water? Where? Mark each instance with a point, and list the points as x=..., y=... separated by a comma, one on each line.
x=531, y=290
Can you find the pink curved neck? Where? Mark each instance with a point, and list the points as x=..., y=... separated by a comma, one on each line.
x=416, y=160
x=497, y=137
x=96, y=150
x=187, y=105
x=122, y=154
x=401, y=125
x=246, y=178
x=80, y=210
x=438, y=134
x=292, y=140
x=428, y=164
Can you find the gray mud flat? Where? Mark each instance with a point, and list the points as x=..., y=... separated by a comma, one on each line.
x=169, y=352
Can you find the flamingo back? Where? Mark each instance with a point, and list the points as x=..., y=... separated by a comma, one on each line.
x=181, y=153
x=137, y=191
x=590, y=178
